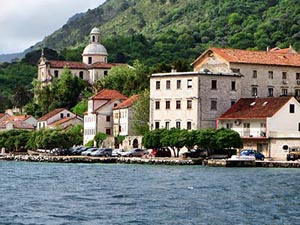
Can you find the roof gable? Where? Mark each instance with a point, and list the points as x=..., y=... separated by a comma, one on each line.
x=108, y=95
x=128, y=102
x=254, y=108
x=280, y=58
x=51, y=114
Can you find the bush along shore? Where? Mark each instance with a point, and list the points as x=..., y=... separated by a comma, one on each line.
x=88, y=159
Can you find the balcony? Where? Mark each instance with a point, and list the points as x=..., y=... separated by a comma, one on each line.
x=253, y=133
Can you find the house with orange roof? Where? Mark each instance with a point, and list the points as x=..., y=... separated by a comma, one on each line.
x=57, y=117
x=123, y=123
x=99, y=117
x=271, y=73
x=269, y=125
x=23, y=122
x=66, y=122
x=94, y=63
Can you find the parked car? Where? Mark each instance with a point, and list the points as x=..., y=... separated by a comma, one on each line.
x=117, y=152
x=294, y=154
x=250, y=152
x=102, y=152
x=195, y=153
x=89, y=151
x=136, y=152
x=78, y=150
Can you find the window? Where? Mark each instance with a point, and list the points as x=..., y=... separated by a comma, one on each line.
x=157, y=85
x=284, y=91
x=189, y=125
x=156, y=125
x=68, y=114
x=284, y=75
x=178, y=104
x=262, y=125
x=292, y=108
x=90, y=60
x=168, y=105
x=297, y=92
x=254, y=75
x=235, y=70
x=232, y=102
x=213, y=104
x=107, y=131
x=81, y=74
x=229, y=125
x=61, y=115
x=105, y=72
x=270, y=92
x=254, y=91
x=157, y=105
x=270, y=74
x=168, y=84
x=93, y=37
x=56, y=73
x=178, y=84
x=233, y=86
x=189, y=104
x=107, y=118
x=167, y=126
x=189, y=83
x=297, y=76
x=213, y=84
x=178, y=124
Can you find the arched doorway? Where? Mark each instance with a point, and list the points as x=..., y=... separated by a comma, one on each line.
x=135, y=143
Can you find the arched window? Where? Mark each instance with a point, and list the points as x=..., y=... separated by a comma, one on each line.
x=90, y=60
x=93, y=38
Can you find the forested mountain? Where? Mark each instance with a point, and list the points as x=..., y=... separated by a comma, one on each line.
x=161, y=33
x=167, y=30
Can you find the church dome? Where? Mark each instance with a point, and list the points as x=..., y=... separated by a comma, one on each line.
x=95, y=30
x=95, y=49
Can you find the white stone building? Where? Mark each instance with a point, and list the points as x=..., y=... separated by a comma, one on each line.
x=94, y=63
x=191, y=100
x=99, y=117
x=265, y=124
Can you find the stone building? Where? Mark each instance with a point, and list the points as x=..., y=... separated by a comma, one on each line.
x=99, y=117
x=191, y=100
x=94, y=63
x=271, y=73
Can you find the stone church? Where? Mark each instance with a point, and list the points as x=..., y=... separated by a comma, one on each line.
x=94, y=65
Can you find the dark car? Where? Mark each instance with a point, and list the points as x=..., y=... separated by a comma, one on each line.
x=195, y=153
x=250, y=152
x=136, y=152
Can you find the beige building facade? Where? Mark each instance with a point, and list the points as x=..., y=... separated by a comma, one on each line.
x=191, y=100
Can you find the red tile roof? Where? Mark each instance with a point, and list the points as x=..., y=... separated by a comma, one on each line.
x=21, y=117
x=50, y=114
x=108, y=95
x=19, y=124
x=69, y=64
x=63, y=120
x=255, y=57
x=251, y=108
x=128, y=102
x=102, y=65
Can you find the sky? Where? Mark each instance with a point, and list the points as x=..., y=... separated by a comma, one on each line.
x=23, y=23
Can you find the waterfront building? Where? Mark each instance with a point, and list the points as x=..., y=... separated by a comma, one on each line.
x=269, y=125
x=99, y=117
x=22, y=122
x=191, y=100
x=270, y=73
x=123, y=119
x=58, y=118
x=94, y=63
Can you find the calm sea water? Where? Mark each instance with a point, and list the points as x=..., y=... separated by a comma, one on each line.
x=41, y=193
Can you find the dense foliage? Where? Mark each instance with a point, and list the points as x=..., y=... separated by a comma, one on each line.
x=176, y=139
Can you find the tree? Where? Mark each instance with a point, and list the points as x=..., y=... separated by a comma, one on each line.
x=141, y=111
x=75, y=134
x=206, y=139
x=21, y=97
x=227, y=138
x=99, y=138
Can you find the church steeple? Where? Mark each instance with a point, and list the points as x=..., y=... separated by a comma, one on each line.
x=95, y=36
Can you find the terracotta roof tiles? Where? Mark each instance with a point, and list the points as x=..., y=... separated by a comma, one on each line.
x=50, y=114
x=69, y=64
x=108, y=95
x=251, y=108
x=128, y=102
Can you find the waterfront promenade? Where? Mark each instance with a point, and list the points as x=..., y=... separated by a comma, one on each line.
x=153, y=161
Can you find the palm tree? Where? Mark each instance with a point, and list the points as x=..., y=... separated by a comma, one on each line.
x=21, y=97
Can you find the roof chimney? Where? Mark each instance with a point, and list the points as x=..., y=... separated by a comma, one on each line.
x=268, y=48
x=173, y=70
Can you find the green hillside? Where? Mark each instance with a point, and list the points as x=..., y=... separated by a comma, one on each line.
x=167, y=30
